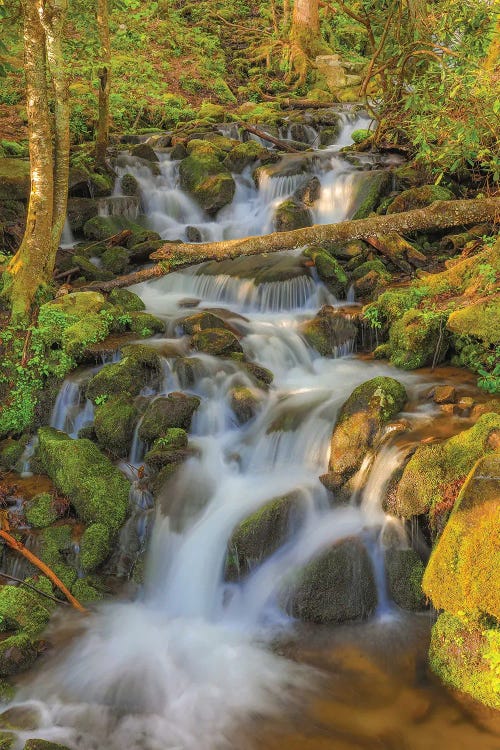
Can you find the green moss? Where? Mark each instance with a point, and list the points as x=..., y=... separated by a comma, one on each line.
x=292, y=214
x=477, y=321
x=244, y=154
x=126, y=300
x=212, y=112
x=433, y=470
x=43, y=745
x=114, y=423
x=90, y=330
x=7, y=693
x=17, y=653
x=89, y=270
x=95, y=546
x=466, y=658
x=10, y=452
x=204, y=176
x=360, y=135
x=371, y=265
x=54, y=541
x=41, y=511
x=174, y=438
x=98, y=491
x=329, y=270
x=102, y=227
x=418, y=339
x=216, y=341
x=115, y=259
x=146, y=324
x=140, y=366
x=419, y=197
x=166, y=412
x=374, y=186
x=129, y=185
x=22, y=609
x=84, y=590
x=404, y=570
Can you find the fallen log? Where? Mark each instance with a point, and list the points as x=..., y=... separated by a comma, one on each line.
x=266, y=137
x=439, y=215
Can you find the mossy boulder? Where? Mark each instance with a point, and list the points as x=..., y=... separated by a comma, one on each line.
x=144, y=151
x=85, y=592
x=41, y=510
x=22, y=609
x=15, y=180
x=146, y=324
x=129, y=185
x=243, y=155
x=371, y=265
x=465, y=657
x=90, y=270
x=336, y=587
x=201, y=321
x=404, y=570
x=216, y=341
x=462, y=574
x=97, y=490
x=359, y=425
x=360, y=135
x=102, y=227
x=140, y=366
x=89, y=330
x=205, y=177
x=73, y=321
x=292, y=214
x=115, y=259
x=478, y=321
x=166, y=412
x=262, y=533
x=95, y=546
x=244, y=403
x=11, y=451
x=374, y=186
x=260, y=375
x=419, y=197
x=329, y=270
x=126, y=300
x=114, y=423
x=43, y=745
x=328, y=332
x=418, y=339
x=17, y=653
x=434, y=474
x=81, y=210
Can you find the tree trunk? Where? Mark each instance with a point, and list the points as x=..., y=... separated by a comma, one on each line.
x=31, y=265
x=305, y=37
x=439, y=215
x=492, y=60
x=104, y=83
x=53, y=15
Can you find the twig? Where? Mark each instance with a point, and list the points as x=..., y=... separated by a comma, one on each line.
x=33, y=588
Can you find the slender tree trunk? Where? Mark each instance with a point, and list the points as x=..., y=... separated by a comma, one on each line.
x=305, y=37
x=53, y=14
x=492, y=61
x=286, y=14
x=104, y=83
x=31, y=265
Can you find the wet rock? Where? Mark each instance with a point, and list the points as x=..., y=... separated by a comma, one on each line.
x=202, y=321
x=244, y=403
x=114, y=425
x=463, y=655
x=374, y=187
x=243, y=155
x=115, y=259
x=140, y=252
x=328, y=331
x=193, y=234
x=488, y=407
x=146, y=324
x=465, y=404
x=444, y=394
x=165, y=412
x=329, y=270
x=41, y=510
x=260, y=269
x=404, y=571
x=292, y=214
x=90, y=271
x=126, y=300
x=207, y=179
x=261, y=375
x=43, y=745
x=329, y=134
x=435, y=473
x=178, y=152
x=189, y=370
x=129, y=185
x=338, y=586
x=139, y=367
x=216, y=341
x=17, y=653
x=81, y=210
x=419, y=197
x=102, y=227
x=143, y=151
x=262, y=533
x=352, y=251
x=14, y=180
x=368, y=285
x=97, y=490
x=309, y=192
x=86, y=184
x=359, y=426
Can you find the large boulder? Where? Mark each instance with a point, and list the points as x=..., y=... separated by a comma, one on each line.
x=102, y=227
x=140, y=366
x=203, y=174
x=216, y=341
x=329, y=332
x=418, y=339
x=433, y=476
x=359, y=426
x=114, y=423
x=166, y=412
x=244, y=403
x=244, y=154
x=336, y=587
x=292, y=214
x=419, y=197
x=372, y=188
x=201, y=321
x=262, y=533
x=97, y=490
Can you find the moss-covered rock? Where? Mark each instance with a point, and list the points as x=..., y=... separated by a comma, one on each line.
x=115, y=259
x=41, y=510
x=360, y=135
x=369, y=407
x=146, y=324
x=89, y=270
x=478, y=321
x=244, y=403
x=89, y=330
x=262, y=533
x=102, y=227
x=204, y=175
x=328, y=332
x=329, y=270
x=371, y=265
x=140, y=366
x=22, y=609
x=81, y=210
x=73, y=321
x=292, y=214
x=85, y=592
x=260, y=375
x=129, y=185
x=126, y=300
x=114, y=423
x=43, y=745
x=465, y=657
x=371, y=191
x=216, y=341
x=17, y=653
x=418, y=339
x=433, y=476
x=404, y=571
x=338, y=586
x=201, y=321
x=244, y=154
x=165, y=412
x=14, y=180
x=95, y=546
x=97, y=490
x=419, y=197
x=10, y=452
x=144, y=151
x=462, y=574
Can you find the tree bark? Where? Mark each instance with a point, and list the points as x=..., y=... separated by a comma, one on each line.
x=439, y=215
x=266, y=137
x=52, y=16
x=104, y=83
x=305, y=37
x=30, y=266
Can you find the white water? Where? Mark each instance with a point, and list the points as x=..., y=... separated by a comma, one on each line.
x=192, y=658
